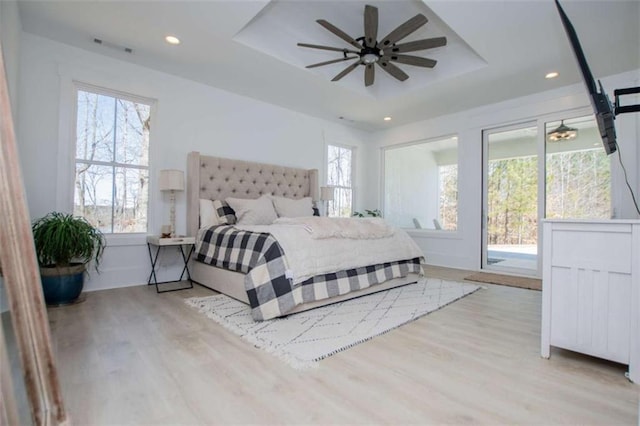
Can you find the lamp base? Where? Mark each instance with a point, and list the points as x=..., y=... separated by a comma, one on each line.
x=172, y=213
x=165, y=231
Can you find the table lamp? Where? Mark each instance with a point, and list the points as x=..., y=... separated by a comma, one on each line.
x=326, y=195
x=172, y=181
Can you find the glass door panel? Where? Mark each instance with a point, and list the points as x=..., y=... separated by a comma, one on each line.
x=578, y=171
x=510, y=220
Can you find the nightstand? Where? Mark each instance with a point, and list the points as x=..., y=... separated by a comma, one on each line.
x=181, y=243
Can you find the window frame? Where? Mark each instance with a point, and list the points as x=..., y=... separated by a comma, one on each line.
x=437, y=233
x=121, y=238
x=353, y=150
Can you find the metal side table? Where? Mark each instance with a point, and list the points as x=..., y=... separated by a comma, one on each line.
x=159, y=243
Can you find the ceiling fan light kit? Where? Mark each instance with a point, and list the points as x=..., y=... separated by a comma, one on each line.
x=370, y=51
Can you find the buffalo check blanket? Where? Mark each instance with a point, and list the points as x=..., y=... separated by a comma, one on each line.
x=270, y=291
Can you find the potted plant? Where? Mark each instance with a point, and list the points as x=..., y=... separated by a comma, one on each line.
x=64, y=246
x=370, y=213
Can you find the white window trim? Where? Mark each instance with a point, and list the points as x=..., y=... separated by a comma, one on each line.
x=66, y=149
x=353, y=169
x=434, y=233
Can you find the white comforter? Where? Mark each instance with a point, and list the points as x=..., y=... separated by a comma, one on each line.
x=307, y=257
x=340, y=227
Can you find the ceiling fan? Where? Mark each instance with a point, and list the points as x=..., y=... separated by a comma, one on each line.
x=368, y=50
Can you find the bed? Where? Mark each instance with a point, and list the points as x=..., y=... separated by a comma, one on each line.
x=214, y=178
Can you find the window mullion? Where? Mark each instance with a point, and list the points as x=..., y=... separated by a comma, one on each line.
x=113, y=175
x=112, y=164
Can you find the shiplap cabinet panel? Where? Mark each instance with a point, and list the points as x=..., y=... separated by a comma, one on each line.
x=591, y=289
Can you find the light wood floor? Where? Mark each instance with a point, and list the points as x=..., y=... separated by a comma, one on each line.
x=131, y=356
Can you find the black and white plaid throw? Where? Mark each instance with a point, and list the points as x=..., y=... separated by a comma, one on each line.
x=226, y=215
x=271, y=293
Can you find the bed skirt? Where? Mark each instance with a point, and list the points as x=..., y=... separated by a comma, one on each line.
x=232, y=284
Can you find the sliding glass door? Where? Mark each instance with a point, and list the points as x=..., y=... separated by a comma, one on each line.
x=545, y=168
x=510, y=219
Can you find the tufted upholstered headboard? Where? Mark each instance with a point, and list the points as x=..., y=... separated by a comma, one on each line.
x=216, y=178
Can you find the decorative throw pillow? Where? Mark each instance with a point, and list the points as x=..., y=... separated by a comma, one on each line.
x=288, y=207
x=259, y=211
x=208, y=215
x=224, y=213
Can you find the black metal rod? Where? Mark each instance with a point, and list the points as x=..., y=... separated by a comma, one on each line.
x=626, y=108
x=154, y=260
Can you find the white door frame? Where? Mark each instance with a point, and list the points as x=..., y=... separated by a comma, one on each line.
x=485, y=201
x=539, y=122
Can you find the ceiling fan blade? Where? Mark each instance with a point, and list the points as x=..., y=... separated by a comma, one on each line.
x=404, y=30
x=319, y=64
x=393, y=70
x=370, y=25
x=412, y=46
x=346, y=71
x=369, y=74
x=337, y=31
x=412, y=60
x=334, y=49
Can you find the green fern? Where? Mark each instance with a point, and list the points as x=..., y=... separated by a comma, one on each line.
x=372, y=213
x=61, y=239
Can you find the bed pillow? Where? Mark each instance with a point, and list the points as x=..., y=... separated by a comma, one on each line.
x=208, y=215
x=225, y=215
x=259, y=211
x=288, y=207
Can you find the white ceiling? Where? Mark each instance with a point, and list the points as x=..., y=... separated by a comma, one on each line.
x=496, y=50
x=280, y=25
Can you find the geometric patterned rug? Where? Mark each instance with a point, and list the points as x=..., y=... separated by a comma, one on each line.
x=305, y=338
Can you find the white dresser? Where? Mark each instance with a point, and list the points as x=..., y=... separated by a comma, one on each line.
x=591, y=289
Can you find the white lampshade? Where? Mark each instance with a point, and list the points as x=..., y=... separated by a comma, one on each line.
x=171, y=180
x=326, y=193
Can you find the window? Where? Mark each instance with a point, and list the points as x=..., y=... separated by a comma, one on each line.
x=340, y=176
x=421, y=185
x=578, y=172
x=112, y=160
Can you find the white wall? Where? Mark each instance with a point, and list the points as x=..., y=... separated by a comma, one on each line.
x=189, y=117
x=462, y=249
x=412, y=193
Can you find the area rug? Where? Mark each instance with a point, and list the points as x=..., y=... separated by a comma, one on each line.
x=304, y=338
x=508, y=280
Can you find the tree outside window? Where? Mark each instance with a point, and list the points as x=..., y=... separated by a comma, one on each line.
x=577, y=180
x=339, y=176
x=112, y=161
x=578, y=173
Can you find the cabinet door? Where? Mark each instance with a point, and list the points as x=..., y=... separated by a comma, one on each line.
x=590, y=273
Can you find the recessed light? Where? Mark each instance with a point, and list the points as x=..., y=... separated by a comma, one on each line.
x=553, y=74
x=172, y=39
x=387, y=119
